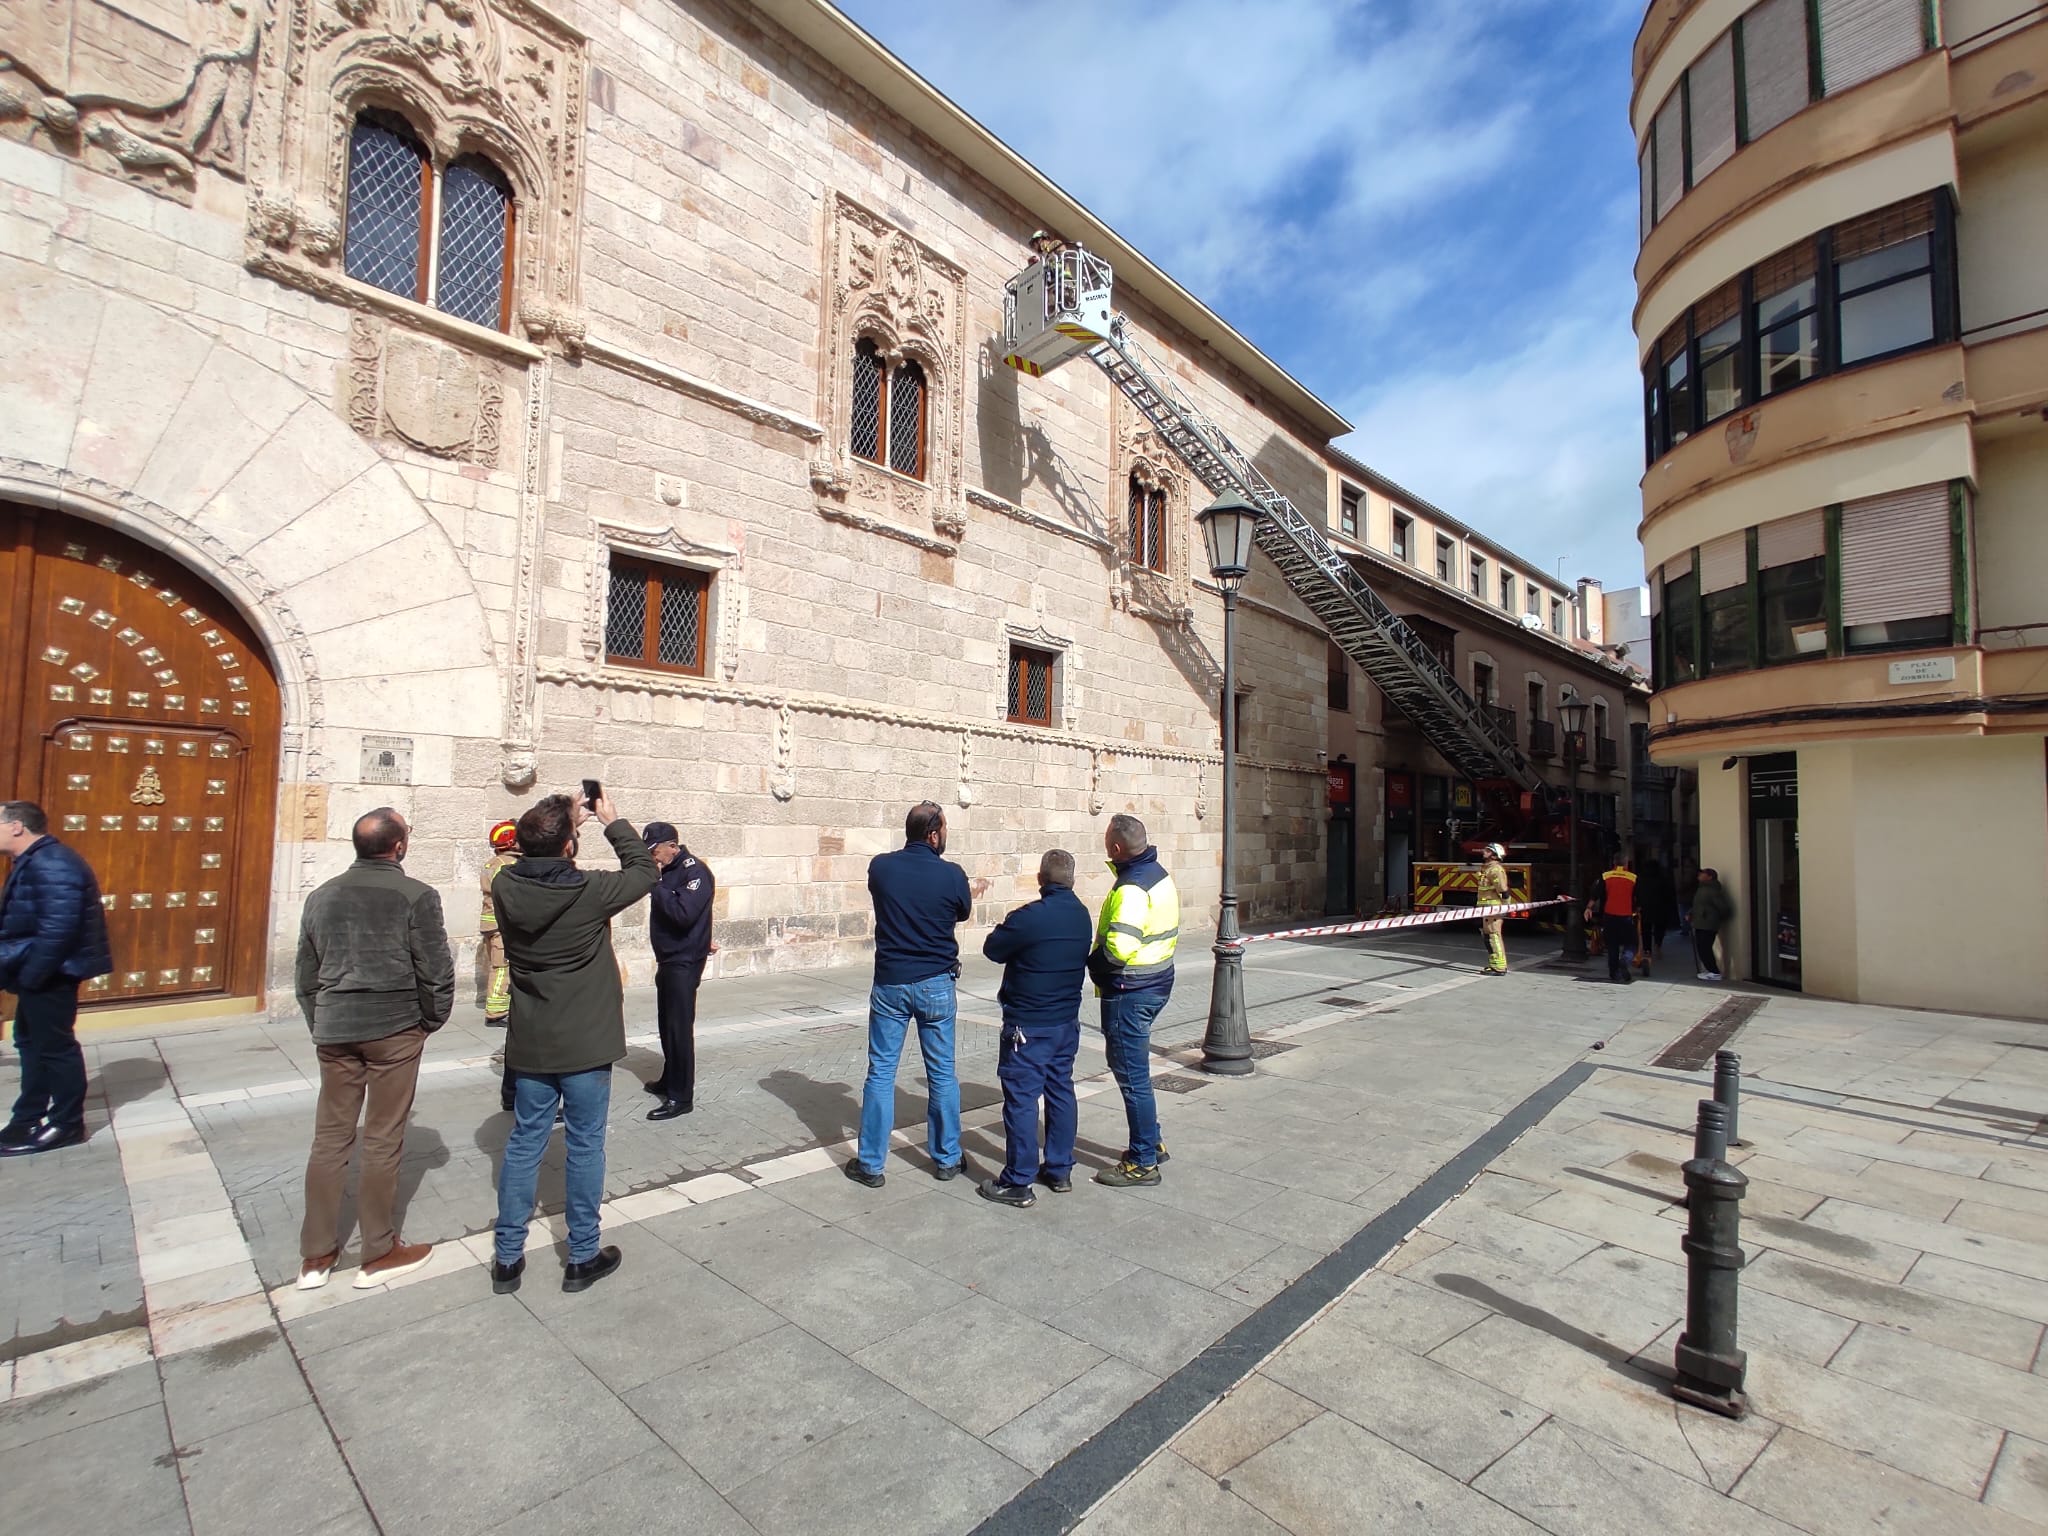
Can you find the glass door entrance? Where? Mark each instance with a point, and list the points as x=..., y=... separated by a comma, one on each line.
x=1774, y=868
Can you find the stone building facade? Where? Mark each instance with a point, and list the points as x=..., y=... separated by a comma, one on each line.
x=459, y=401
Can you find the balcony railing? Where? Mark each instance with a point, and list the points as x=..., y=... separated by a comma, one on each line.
x=1543, y=738
x=1504, y=718
x=1605, y=753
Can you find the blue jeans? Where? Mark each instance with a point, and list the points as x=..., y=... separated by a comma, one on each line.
x=586, y=1098
x=1037, y=1060
x=890, y=1011
x=1127, y=1038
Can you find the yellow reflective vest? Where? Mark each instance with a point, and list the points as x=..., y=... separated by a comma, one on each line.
x=1138, y=929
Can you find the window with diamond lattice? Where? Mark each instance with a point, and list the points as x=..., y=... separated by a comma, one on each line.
x=888, y=411
x=1030, y=686
x=1148, y=526
x=654, y=616
x=460, y=262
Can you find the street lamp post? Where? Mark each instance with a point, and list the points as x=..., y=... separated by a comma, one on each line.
x=1573, y=708
x=1229, y=524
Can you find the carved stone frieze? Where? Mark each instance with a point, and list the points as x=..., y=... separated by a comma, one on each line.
x=422, y=392
x=1140, y=462
x=911, y=302
x=500, y=78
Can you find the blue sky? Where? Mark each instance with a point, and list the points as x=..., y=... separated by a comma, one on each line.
x=1423, y=209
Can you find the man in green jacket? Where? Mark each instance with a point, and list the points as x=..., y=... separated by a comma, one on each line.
x=1712, y=910
x=567, y=1025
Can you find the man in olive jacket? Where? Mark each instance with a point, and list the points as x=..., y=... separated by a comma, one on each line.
x=568, y=1022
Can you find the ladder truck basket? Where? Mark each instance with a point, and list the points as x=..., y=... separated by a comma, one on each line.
x=1056, y=307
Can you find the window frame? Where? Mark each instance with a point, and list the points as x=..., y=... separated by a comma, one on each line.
x=1446, y=560
x=1475, y=569
x=1348, y=502
x=1145, y=552
x=1339, y=697
x=890, y=366
x=657, y=574
x=1507, y=590
x=1403, y=538
x=1017, y=690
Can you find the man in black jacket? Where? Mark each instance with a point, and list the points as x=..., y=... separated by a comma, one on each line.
x=679, y=931
x=53, y=935
x=567, y=1027
x=375, y=978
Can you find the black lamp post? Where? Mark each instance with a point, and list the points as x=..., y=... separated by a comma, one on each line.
x=1573, y=708
x=1229, y=524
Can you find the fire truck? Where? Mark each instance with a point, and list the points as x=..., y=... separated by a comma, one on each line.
x=1533, y=826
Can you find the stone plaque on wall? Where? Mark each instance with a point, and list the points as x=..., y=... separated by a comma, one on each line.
x=387, y=760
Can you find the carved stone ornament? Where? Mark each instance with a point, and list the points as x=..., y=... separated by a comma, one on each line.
x=500, y=78
x=912, y=303
x=147, y=90
x=432, y=396
x=725, y=563
x=1139, y=456
x=1066, y=691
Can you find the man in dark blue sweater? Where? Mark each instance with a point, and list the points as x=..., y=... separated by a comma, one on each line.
x=1043, y=948
x=920, y=898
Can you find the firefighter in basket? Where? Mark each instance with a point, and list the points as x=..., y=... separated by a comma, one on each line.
x=1492, y=891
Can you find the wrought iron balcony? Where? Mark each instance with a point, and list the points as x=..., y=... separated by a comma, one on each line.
x=1543, y=738
x=1605, y=753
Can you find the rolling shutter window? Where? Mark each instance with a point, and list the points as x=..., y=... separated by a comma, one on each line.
x=1895, y=557
x=1647, y=192
x=1861, y=39
x=1710, y=93
x=1656, y=592
x=1792, y=539
x=1678, y=567
x=1724, y=563
x=1775, y=81
x=1668, y=134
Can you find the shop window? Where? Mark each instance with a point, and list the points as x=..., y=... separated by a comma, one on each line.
x=1148, y=525
x=655, y=616
x=888, y=425
x=1031, y=681
x=460, y=262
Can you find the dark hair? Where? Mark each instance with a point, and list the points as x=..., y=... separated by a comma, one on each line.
x=27, y=813
x=1129, y=832
x=1057, y=868
x=545, y=828
x=378, y=833
x=925, y=818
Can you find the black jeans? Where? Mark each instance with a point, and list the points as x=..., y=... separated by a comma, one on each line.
x=52, y=1065
x=1703, y=949
x=1618, y=938
x=675, y=1002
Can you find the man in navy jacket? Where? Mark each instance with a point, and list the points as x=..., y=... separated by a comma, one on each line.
x=53, y=935
x=920, y=898
x=679, y=932
x=1043, y=948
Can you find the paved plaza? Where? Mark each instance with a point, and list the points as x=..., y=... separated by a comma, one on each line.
x=1420, y=1273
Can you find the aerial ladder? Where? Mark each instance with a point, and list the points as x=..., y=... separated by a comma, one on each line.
x=1060, y=307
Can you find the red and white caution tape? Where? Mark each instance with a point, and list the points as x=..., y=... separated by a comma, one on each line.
x=1410, y=920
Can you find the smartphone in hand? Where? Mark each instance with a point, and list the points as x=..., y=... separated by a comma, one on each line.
x=593, y=791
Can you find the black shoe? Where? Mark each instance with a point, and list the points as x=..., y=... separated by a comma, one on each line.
x=860, y=1175
x=945, y=1171
x=46, y=1138
x=505, y=1102
x=505, y=1277
x=668, y=1109
x=1060, y=1186
x=656, y=1089
x=581, y=1277
x=12, y=1135
x=1018, y=1195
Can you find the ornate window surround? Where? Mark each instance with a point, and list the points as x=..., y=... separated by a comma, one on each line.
x=503, y=79
x=1066, y=713
x=1163, y=595
x=722, y=565
x=912, y=303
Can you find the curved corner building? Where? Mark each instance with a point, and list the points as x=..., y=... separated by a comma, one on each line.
x=1842, y=318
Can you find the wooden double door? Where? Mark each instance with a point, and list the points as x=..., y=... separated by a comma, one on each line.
x=139, y=710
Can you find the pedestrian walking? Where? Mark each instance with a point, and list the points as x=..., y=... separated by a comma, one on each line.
x=1712, y=910
x=498, y=976
x=1615, y=901
x=920, y=897
x=53, y=936
x=679, y=930
x=1492, y=891
x=1657, y=900
x=567, y=1027
x=1043, y=949
x=375, y=978
x=1132, y=967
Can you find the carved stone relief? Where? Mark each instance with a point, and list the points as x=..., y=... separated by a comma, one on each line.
x=1139, y=456
x=422, y=392
x=912, y=303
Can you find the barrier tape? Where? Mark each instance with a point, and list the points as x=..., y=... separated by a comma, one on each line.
x=1409, y=920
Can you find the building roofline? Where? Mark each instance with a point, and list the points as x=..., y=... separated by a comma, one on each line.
x=841, y=41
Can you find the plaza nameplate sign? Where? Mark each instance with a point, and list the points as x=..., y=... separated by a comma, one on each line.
x=1924, y=669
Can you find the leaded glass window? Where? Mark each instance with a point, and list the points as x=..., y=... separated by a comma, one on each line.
x=1030, y=686
x=476, y=229
x=389, y=182
x=654, y=616
x=906, y=420
x=1148, y=526
x=888, y=411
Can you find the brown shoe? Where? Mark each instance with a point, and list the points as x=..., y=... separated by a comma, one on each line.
x=314, y=1272
x=402, y=1258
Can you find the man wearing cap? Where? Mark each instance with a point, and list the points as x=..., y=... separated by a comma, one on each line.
x=498, y=989
x=679, y=930
x=1492, y=891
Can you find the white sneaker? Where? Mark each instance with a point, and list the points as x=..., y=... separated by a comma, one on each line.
x=313, y=1273
x=1705, y=976
x=1713, y=975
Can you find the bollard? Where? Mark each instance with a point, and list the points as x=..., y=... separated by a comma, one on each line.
x=1728, y=1090
x=1710, y=1367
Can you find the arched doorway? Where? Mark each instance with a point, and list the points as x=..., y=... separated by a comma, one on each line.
x=139, y=710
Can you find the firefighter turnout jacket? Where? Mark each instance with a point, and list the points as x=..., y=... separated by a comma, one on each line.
x=1138, y=929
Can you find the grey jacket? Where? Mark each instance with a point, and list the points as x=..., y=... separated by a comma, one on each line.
x=373, y=956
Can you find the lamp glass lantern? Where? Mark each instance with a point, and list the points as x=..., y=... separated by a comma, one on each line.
x=1229, y=525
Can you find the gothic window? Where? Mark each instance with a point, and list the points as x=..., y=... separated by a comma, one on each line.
x=1148, y=525
x=655, y=616
x=460, y=264
x=888, y=411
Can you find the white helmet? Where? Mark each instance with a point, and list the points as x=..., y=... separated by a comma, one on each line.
x=1494, y=851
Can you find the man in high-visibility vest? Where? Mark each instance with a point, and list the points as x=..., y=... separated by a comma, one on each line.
x=1492, y=891
x=1132, y=967
x=1615, y=902
x=498, y=989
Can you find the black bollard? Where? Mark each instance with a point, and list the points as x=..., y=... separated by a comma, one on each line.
x=1709, y=1364
x=1728, y=1090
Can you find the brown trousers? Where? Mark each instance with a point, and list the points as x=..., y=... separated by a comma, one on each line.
x=387, y=1071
